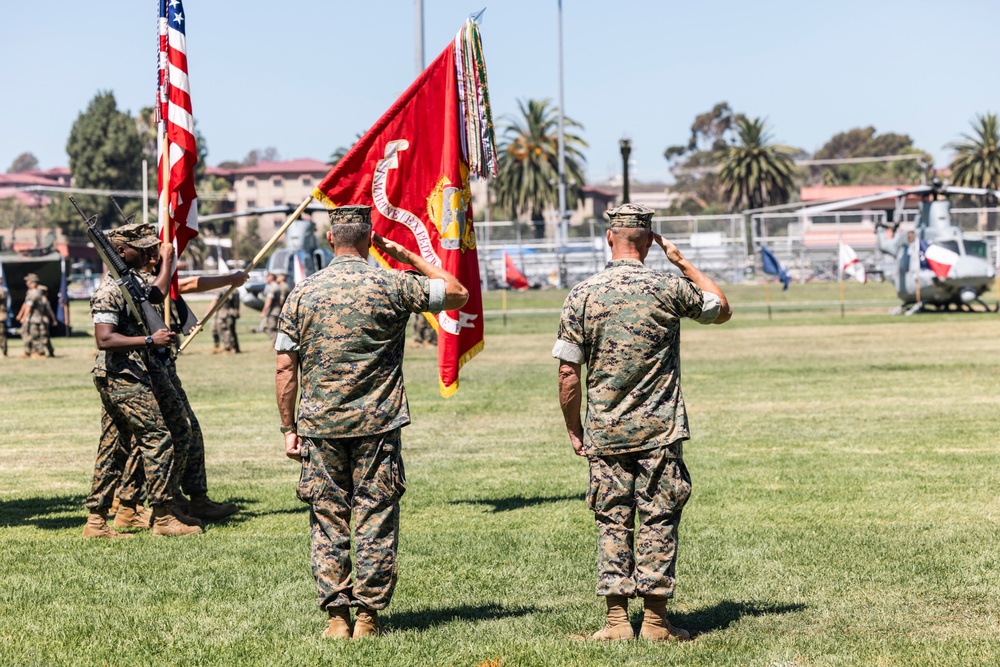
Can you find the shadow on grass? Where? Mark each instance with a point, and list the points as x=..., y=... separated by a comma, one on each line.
x=425, y=619
x=723, y=614
x=518, y=502
x=38, y=512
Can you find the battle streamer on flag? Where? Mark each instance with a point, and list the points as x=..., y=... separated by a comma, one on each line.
x=177, y=152
x=413, y=168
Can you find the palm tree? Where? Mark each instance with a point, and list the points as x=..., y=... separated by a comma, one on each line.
x=977, y=159
x=755, y=172
x=527, y=180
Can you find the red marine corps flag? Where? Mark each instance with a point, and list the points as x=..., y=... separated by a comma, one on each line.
x=175, y=140
x=413, y=167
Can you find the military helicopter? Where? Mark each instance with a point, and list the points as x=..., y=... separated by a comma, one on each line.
x=960, y=280
x=301, y=257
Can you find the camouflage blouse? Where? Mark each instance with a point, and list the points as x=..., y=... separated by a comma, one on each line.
x=624, y=324
x=108, y=307
x=348, y=325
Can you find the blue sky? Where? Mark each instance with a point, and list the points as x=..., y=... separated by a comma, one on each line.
x=306, y=75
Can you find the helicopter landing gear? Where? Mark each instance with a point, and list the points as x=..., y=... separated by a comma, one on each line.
x=915, y=308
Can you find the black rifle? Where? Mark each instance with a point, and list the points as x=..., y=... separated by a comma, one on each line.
x=132, y=286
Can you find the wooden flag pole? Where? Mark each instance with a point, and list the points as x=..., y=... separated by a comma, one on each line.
x=165, y=217
x=767, y=295
x=256, y=260
x=503, y=298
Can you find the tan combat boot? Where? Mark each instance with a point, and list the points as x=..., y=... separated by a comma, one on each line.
x=166, y=523
x=366, y=623
x=97, y=527
x=203, y=507
x=655, y=626
x=133, y=516
x=617, y=626
x=339, y=625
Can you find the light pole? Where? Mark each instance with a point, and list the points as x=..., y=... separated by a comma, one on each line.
x=626, y=148
x=563, y=221
x=419, y=7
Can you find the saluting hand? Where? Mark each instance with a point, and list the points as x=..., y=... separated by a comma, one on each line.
x=669, y=249
x=392, y=249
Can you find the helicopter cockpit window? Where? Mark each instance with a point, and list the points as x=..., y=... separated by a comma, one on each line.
x=950, y=245
x=976, y=249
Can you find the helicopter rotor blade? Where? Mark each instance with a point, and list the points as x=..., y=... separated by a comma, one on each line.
x=847, y=203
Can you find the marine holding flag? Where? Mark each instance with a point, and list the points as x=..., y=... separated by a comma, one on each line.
x=402, y=195
x=175, y=140
x=413, y=167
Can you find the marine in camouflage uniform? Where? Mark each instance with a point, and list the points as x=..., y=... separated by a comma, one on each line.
x=424, y=334
x=35, y=317
x=3, y=321
x=624, y=324
x=225, y=324
x=123, y=373
x=186, y=430
x=343, y=330
x=275, y=293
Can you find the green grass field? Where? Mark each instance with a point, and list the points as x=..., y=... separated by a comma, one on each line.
x=846, y=505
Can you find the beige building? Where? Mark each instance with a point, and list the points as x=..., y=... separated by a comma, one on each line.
x=269, y=184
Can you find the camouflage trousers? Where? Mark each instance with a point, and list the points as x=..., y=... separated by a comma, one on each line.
x=132, y=415
x=423, y=332
x=227, y=333
x=359, y=480
x=3, y=334
x=36, y=338
x=270, y=323
x=650, y=487
x=183, y=424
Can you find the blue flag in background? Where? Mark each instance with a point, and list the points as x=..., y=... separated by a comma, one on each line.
x=773, y=267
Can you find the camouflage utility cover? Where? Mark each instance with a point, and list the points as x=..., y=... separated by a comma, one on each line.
x=345, y=215
x=348, y=325
x=624, y=324
x=109, y=307
x=136, y=234
x=631, y=215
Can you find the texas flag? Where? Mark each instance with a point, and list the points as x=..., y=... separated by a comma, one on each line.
x=937, y=258
x=850, y=265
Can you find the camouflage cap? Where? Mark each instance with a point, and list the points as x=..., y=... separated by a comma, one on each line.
x=631, y=215
x=278, y=271
x=150, y=236
x=344, y=215
x=31, y=278
x=134, y=234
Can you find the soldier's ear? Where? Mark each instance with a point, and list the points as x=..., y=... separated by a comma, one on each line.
x=609, y=237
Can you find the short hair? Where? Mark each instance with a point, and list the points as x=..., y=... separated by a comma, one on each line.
x=351, y=233
x=636, y=236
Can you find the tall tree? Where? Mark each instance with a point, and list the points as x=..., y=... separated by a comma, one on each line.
x=693, y=165
x=865, y=142
x=22, y=163
x=977, y=156
x=754, y=171
x=105, y=152
x=528, y=176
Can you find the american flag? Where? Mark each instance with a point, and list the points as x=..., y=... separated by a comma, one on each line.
x=173, y=104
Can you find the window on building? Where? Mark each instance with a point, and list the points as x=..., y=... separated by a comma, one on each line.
x=278, y=202
x=277, y=223
x=277, y=181
x=251, y=182
x=306, y=180
x=251, y=203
